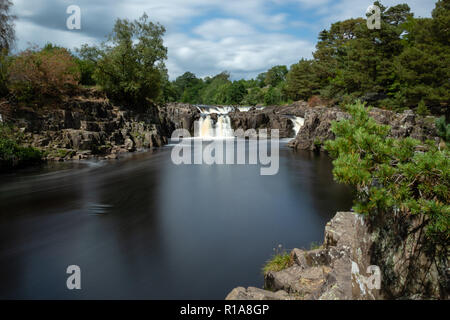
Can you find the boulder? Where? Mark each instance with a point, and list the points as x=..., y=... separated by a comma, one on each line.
x=253, y=293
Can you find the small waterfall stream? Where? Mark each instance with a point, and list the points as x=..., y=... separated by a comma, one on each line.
x=298, y=122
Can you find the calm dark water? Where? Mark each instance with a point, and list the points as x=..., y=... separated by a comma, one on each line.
x=143, y=228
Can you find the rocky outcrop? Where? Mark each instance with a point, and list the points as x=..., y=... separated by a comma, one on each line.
x=182, y=115
x=388, y=257
x=317, y=127
x=252, y=293
x=336, y=271
x=87, y=127
x=270, y=117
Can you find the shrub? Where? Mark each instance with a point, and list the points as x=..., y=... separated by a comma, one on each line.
x=35, y=75
x=443, y=129
x=389, y=174
x=12, y=154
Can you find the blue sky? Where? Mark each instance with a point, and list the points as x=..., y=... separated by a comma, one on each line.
x=244, y=37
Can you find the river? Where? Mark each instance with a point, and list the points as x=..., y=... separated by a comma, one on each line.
x=144, y=228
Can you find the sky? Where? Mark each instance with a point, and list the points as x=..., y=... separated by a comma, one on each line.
x=206, y=37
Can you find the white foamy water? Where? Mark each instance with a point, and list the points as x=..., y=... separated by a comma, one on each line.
x=213, y=109
x=220, y=129
x=205, y=109
x=246, y=109
x=298, y=122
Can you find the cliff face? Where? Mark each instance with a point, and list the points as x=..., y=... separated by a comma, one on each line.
x=317, y=127
x=412, y=266
x=182, y=115
x=90, y=126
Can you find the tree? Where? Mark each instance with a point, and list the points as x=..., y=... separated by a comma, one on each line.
x=235, y=93
x=389, y=175
x=422, y=109
x=301, y=82
x=272, y=96
x=35, y=75
x=261, y=79
x=422, y=70
x=213, y=90
x=130, y=64
x=6, y=41
x=186, y=80
x=255, y=96
x=6, y=25
x=275, y=75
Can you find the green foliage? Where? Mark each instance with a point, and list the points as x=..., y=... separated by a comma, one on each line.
x=87, y=69
x=130, y=65
x=4, y=63
x=301, y=81
x=443, y=129
x=278, y=262
x=220, y=90
x=255, y=96
x=422, y=109
x=275, y=75
x=272, y=96
x=389, y=174
x=12, y=154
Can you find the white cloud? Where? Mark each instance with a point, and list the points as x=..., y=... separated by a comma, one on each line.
x=243, y=56
x=220, y=28
x=28, y=33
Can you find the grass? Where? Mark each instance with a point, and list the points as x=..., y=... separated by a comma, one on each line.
x=278, y=262
x=315, y=246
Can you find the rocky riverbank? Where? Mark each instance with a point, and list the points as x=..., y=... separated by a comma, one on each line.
x=89, y=126
x=360, y=259
x=336, y=271
x=317, y=126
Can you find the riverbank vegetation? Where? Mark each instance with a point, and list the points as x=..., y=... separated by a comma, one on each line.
x=12, y=153
x=403, y=176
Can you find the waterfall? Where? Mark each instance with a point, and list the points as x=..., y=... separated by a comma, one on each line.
x=219, y=130
x=213, y=109
x=298, y=123
x=205, y=109
x=246, y=109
